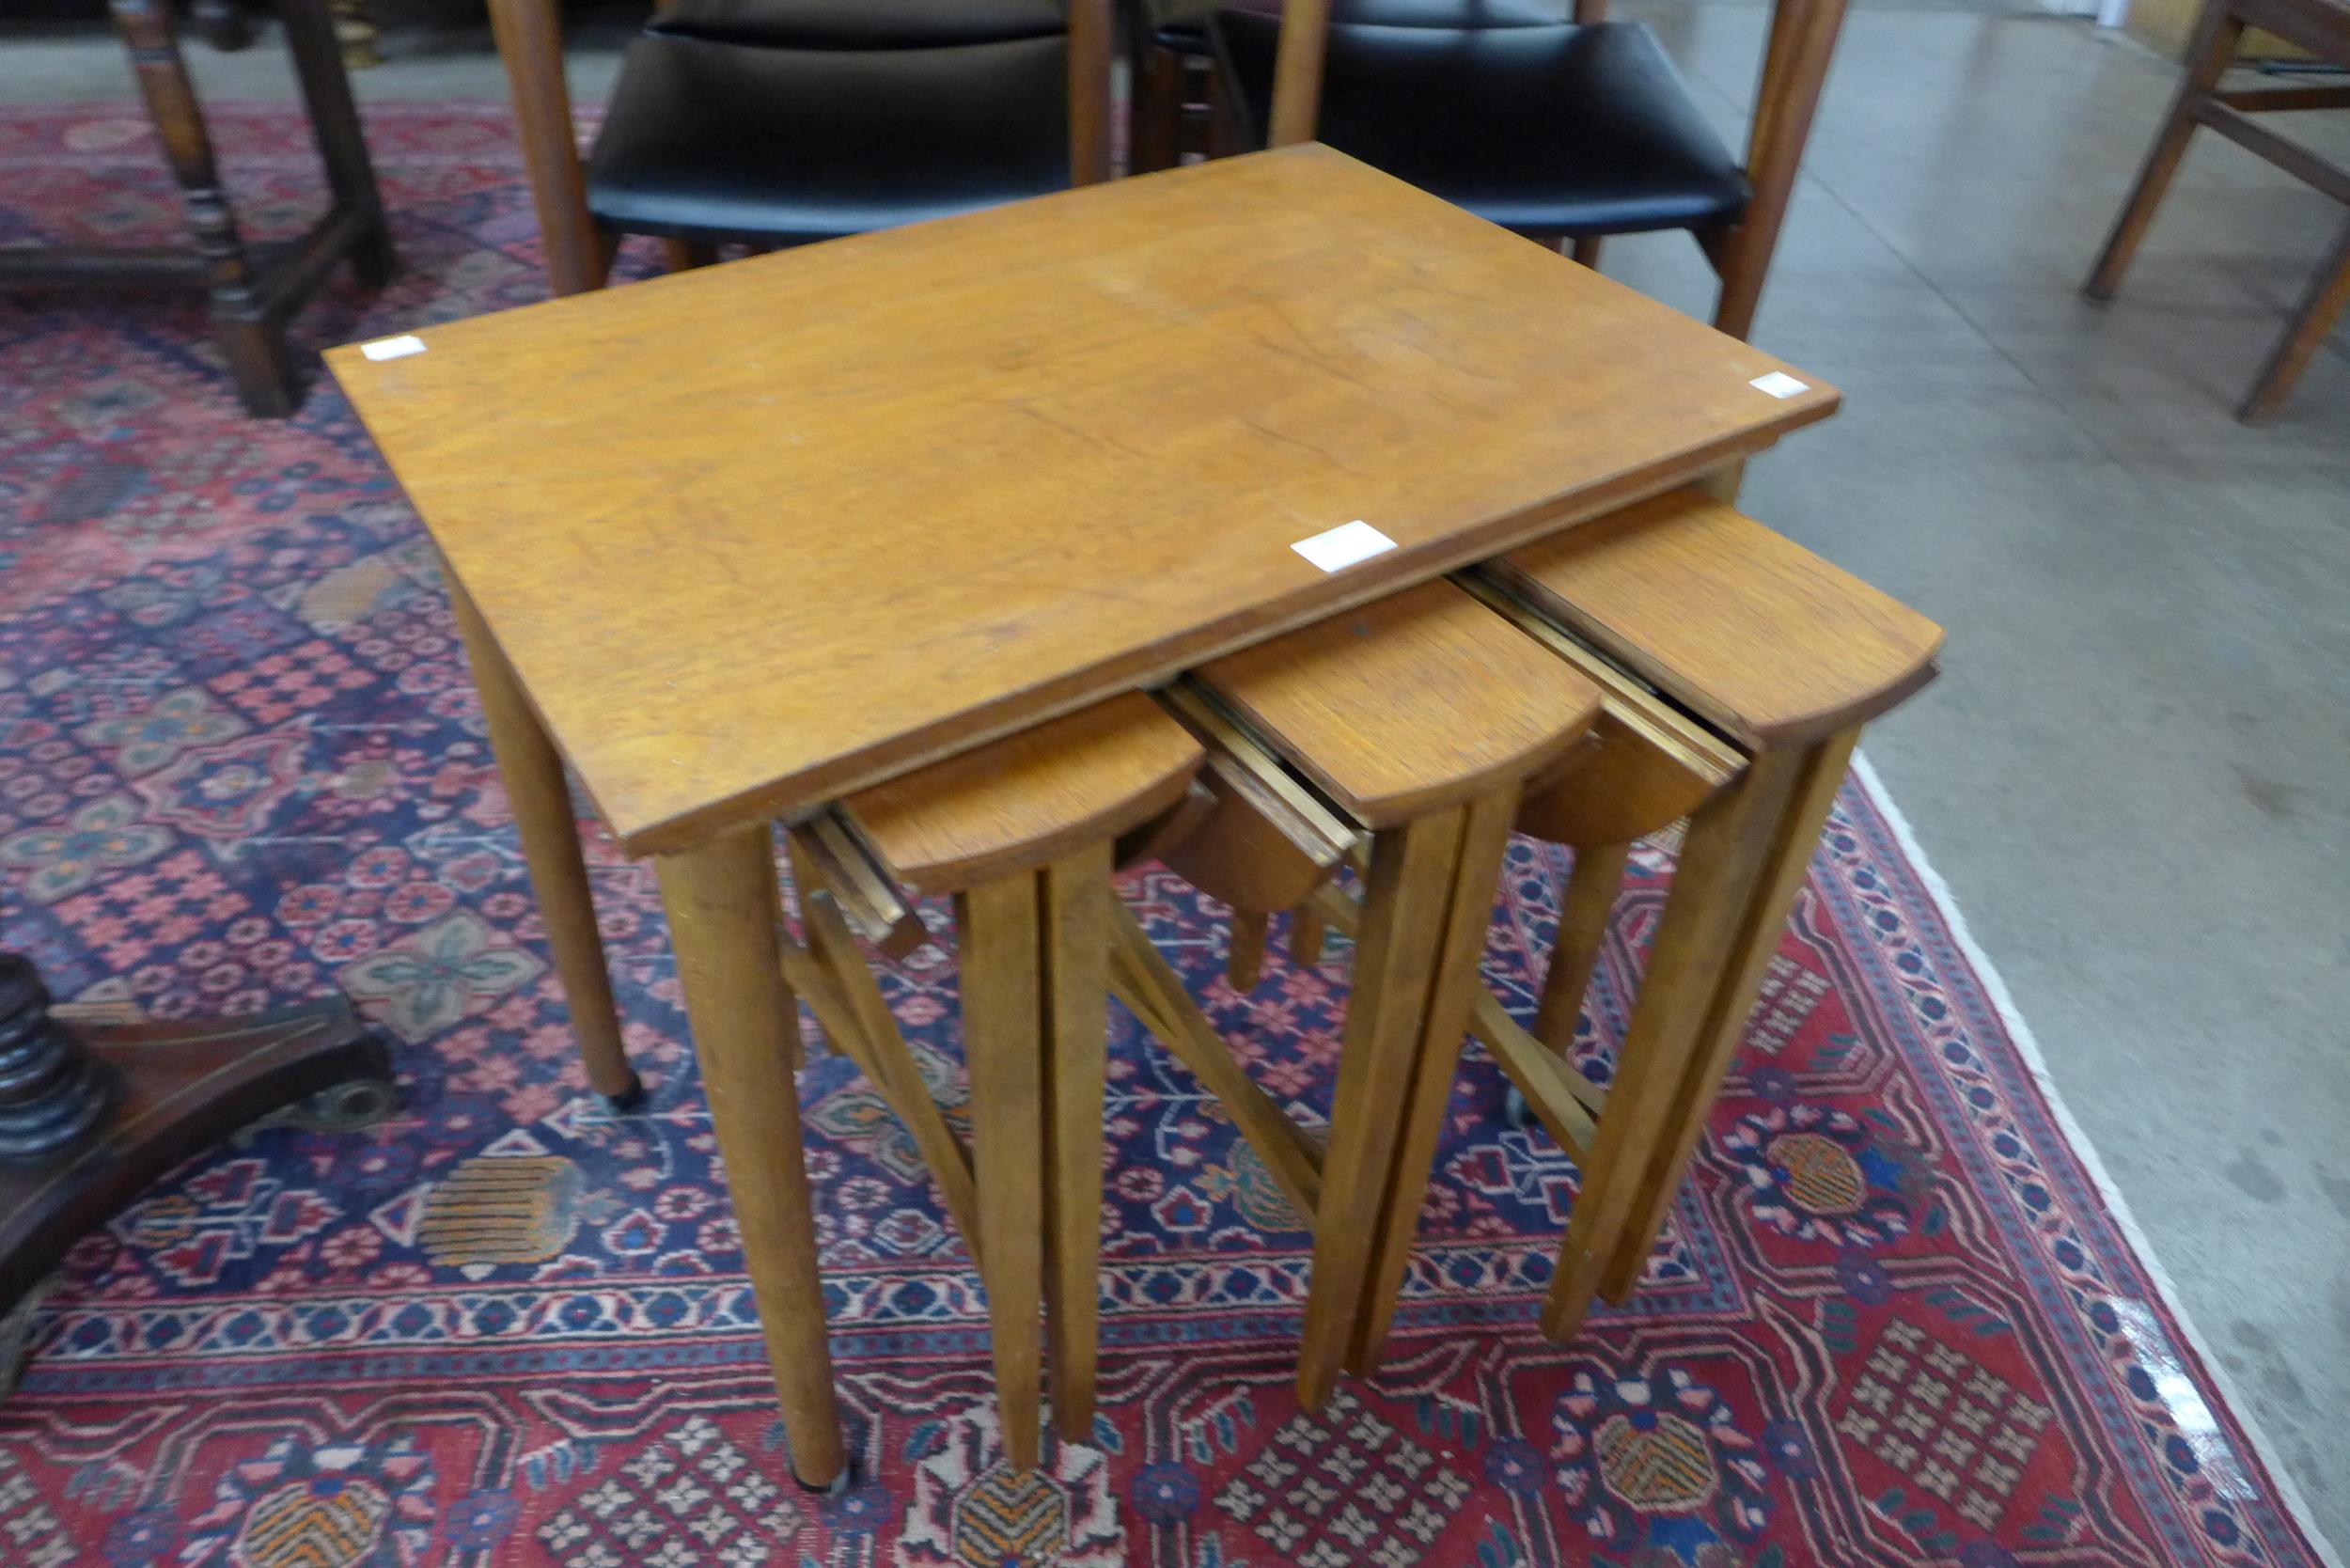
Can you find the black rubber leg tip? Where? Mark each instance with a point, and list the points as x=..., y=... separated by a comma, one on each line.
x=836, y=1486
x=628, y=1099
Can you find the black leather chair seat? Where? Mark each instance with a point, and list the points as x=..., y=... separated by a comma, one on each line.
x=1553, y=130
x=716, y=140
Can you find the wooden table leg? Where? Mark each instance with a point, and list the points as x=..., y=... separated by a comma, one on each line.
x=1076, y=894
x=1722, y=859
x=251, y=338
x=533, y=774
x=1817, y=772
x=1308, y=931
x=1244, y=965
x=1405, y=904
x=997, y=925
x=1484, y=839
x=1584, y=908
x=720, y=898
x=310, y=39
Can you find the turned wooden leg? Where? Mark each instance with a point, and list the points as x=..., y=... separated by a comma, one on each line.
x=1408, y=892
x=1484, y=839
x=2216, y=41
x=1722, y=857
x=1586, y=250
x=1076, y=894
x=1583, y=911
x=720, y=897
x=1244, y=965
x=541, y=801
x=2320, y=308
x=1814, y=774
x=996, y=922
x=250, y=338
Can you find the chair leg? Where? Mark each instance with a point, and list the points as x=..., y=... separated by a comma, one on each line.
x=1244, y=965
x=1814, y=774
x=1224, y=133
x=2320, y=310
x=681, y=255
x=1484, y=838
x=1076, y=894
x=996, y=925
x=1395, y=961
x=2216, y=38
x=720, y=899
x=1583, y=912
x=1154, y=127
x=1585, y=249
x=529, y=37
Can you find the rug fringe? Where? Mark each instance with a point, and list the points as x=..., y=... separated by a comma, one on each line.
x=2077, y=1138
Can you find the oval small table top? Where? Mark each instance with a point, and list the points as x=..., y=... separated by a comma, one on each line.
x=1400, y=707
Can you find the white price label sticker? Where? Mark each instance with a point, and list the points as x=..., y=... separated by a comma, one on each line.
x=1343, y=545
x=393, y=347
x=1779, y=384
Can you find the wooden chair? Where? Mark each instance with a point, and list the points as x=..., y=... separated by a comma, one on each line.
x=1024, y=834
x=1401, y=732
x=778, y=122
x=2322, y=28
x=1564, y=130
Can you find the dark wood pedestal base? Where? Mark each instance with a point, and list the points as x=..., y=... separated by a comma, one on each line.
x=92, y=1114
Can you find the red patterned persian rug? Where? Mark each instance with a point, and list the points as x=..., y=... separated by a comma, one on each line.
x=1893, y=1319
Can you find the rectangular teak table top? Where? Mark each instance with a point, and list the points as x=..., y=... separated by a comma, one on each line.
x=753, y=535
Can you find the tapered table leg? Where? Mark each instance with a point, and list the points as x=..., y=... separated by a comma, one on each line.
x=1814, y=774
x=1723, y=857
x=720, y=897
x=996, y=925
x=1482, y=841
x=1408, y=892
x=533, y=775
x=1076, y=893
x=1583, y=915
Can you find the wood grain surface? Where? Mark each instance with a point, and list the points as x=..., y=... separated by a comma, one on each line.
x=756, y=536
x=1749, y=629
x=1420, y=701
x=1029, y=798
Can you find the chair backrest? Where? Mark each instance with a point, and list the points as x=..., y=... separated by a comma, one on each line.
x=530, y=39
x=1795, y=66
x=880, y=25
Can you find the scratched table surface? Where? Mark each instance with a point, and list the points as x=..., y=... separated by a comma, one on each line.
x=758, y=534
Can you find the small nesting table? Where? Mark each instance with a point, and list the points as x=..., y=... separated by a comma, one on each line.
x=738, y=542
